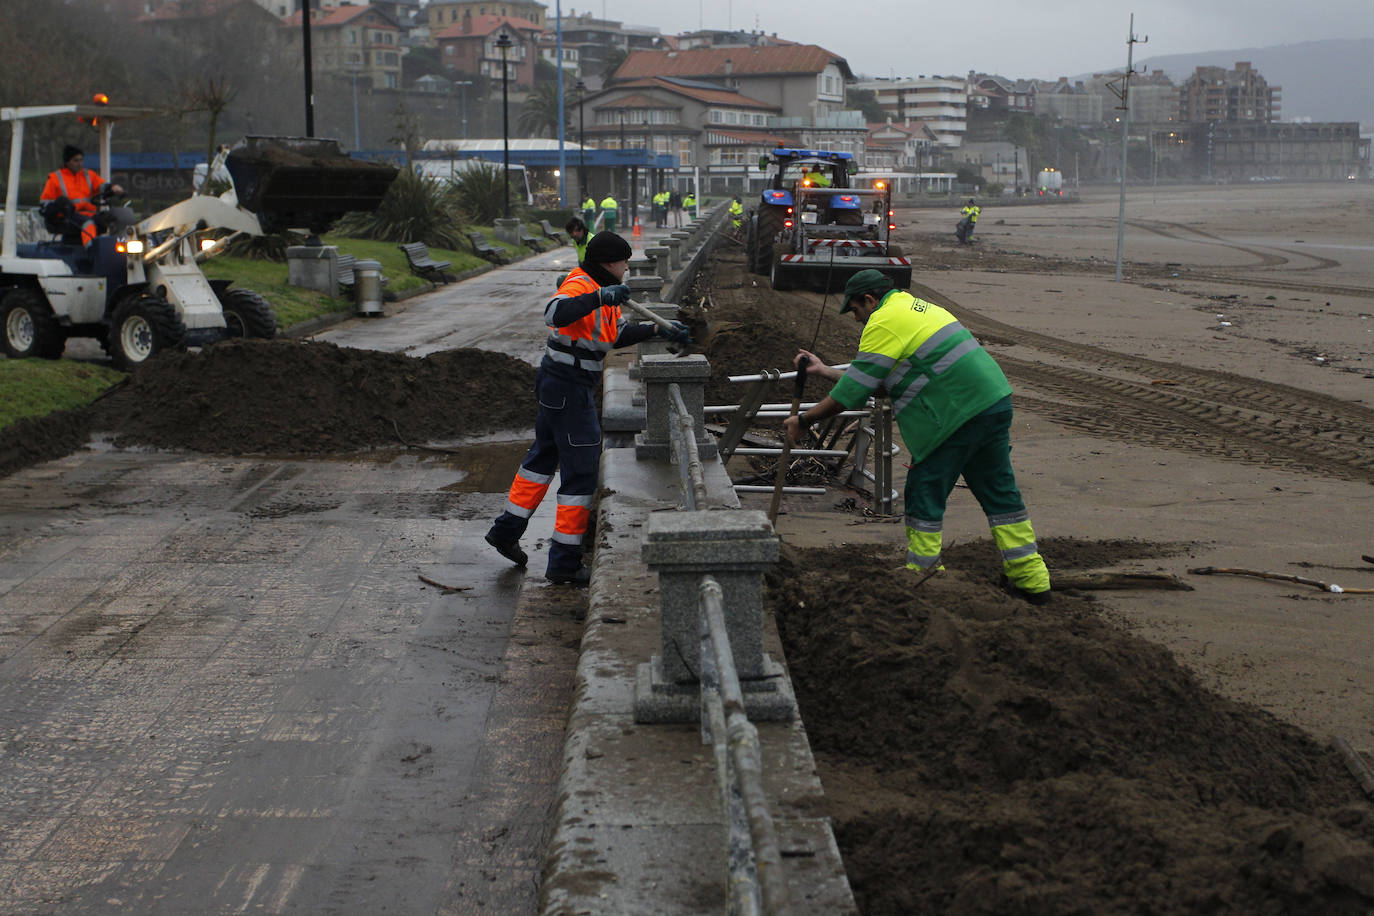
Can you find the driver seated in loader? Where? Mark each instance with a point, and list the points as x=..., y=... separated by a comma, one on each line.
x=70, y=198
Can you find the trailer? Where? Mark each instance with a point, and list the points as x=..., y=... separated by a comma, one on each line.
x=834, y=235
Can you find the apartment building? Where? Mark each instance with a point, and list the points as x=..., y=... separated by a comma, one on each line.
x=801, y=81
x=940, y=101
x=472, y=45
x=444, y=13
x=355, y=41
x=1218, y=94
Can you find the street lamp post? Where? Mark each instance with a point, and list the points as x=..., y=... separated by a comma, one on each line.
x=503, y=42
x=581, y=88
x=463, y=102
x=353, y=71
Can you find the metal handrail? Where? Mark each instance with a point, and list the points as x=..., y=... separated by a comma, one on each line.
x=682, y=432
x=756, y=877
x=756, y=884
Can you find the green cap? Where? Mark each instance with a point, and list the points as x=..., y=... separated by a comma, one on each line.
x=865, y=281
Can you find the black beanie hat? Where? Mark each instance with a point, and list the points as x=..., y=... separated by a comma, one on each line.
x=69, y=151
x=607, y=248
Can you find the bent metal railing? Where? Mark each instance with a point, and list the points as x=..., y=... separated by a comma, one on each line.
x=756, y=884
x=873, y=432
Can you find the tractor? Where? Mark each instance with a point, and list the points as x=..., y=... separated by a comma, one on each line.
x=811, y=228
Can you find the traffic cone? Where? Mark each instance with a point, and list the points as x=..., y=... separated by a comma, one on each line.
x=636, y=232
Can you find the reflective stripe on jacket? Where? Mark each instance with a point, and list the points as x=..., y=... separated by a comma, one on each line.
x=583, y=344
x=610, y=204
x=935, y=372
x=78, y=187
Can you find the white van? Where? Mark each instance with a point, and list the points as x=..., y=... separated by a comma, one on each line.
x=444, y=169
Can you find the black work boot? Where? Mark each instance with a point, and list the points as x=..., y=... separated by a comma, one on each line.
x=578, y=577
x=508, y=549
x=1036, y=598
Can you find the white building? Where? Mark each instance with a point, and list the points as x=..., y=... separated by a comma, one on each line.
x=941, y=102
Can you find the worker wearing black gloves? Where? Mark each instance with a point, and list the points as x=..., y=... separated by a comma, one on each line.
x=584, y=325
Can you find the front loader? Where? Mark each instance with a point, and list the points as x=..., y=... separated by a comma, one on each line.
x=139, y=289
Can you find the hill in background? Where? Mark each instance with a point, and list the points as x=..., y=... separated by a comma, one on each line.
x=1329, y=80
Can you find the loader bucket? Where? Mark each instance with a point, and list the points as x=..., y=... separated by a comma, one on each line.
x=303, y=182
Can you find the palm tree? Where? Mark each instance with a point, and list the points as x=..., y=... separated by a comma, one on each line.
x=539, y=114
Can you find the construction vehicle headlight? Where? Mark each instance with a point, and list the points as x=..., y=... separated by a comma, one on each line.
x=134, y=246
x=787, y=224
x=879, y=185
x=808, y=217
x=207, y=244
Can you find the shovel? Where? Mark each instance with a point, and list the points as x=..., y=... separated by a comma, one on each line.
x=798, y=389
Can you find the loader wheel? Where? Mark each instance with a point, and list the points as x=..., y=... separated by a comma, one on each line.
x=143, y=327
x=247, y=314
x=779, y=279
x=29, y=326
x=894, y=251
x=769, y=225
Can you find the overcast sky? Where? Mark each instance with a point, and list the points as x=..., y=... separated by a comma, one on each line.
x=1014, y=38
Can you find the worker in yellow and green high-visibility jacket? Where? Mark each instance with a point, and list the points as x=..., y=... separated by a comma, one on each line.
x=610, y=213
x=953, y=406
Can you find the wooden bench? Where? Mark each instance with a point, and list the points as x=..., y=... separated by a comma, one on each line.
x=551, y=233
x=496, y=254
x=343, y=272
x=422, y=265
x=533, y=243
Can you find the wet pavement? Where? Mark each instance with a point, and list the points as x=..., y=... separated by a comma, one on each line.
x=501, y=310
x=224, y=685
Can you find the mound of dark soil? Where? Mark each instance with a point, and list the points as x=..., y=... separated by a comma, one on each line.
x=982, y=755
x=254, y=396
x=248, y=397
x=36, y=439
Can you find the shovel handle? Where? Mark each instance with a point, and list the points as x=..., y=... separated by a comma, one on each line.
x=798, y=389
x=652, y=316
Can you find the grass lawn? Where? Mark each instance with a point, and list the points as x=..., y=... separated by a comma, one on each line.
x=34, y=387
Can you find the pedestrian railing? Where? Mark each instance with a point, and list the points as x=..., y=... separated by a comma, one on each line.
x=717, y=673
x=756, y=879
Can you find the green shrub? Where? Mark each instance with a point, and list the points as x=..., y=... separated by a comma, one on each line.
x=415, y=209
x=479, y=194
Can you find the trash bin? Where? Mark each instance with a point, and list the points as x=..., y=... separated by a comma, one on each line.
x=367, y=285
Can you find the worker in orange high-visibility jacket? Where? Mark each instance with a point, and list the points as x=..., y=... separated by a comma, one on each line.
x=585, y=324
x=78, y=185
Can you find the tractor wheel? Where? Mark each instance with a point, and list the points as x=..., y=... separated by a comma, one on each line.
x=247, y=314
x=769, y=225
x=142, y=327
x=778, y=278
x=29, y=327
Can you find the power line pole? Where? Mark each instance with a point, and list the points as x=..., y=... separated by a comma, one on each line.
x=1124, y=93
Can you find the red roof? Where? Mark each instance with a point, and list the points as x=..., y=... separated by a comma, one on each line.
x=700, y=94
x=711, y=62
x=482, y=26
x=340, y=15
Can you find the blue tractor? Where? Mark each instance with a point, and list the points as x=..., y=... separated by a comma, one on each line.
x=811, y=228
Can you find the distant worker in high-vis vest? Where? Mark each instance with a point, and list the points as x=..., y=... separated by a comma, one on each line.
x=952, y=404
x=584, y=324
x=610, y=213
x=736, y=213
